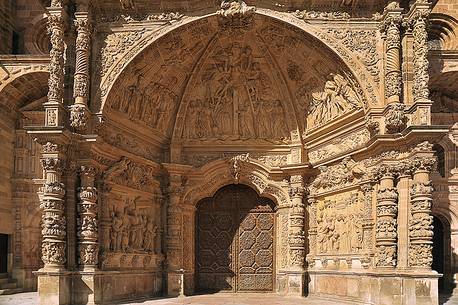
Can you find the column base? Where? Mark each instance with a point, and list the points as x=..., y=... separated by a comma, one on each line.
x=291, y=283
x=54, y=288
x=87, y=288
x=176, y=283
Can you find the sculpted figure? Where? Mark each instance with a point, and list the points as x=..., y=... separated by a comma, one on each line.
x=337, y=98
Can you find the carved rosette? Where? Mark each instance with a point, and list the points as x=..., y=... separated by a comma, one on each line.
x=421, y=221
x=52, y=204
x=87, y=219
x=420, y=60
x=79, y=112
x=296, y=236
x=386, y=226
x=391, y=28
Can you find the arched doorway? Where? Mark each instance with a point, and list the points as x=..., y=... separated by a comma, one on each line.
x=235, y=241
x=442, y=256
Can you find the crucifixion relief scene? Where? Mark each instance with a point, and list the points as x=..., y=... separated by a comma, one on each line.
x=229, y=152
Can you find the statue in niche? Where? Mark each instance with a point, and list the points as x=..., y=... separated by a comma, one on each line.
x=237, y=101
x=337, y=98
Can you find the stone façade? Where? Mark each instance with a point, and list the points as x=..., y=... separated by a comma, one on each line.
x=135, y=115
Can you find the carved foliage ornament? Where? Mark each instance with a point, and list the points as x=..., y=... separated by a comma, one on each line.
x=395, y=119
x=56, y=63
x=235, y=12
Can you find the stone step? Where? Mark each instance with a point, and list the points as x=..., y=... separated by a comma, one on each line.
x=9, y=285
x=3, y=275
x=10, y=291
x=4, y=280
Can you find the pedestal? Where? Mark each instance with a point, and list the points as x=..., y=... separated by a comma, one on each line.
x=175, y=283
x=54, y=288
x=291, y=283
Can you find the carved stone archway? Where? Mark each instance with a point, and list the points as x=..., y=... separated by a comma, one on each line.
x=204, y=182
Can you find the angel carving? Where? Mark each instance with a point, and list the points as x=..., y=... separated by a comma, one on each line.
x=337, y=98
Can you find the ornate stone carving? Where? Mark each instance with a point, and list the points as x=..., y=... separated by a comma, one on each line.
x=127, y=173
x=339, y=146
x=339, y=221
x=391, y=28
x=321, y=15
x=138, y=17
x=56, y=63
x=54, y=228
x=420, y=60
x=337, y=99
x=395, y=119
x=373, y=127
x=87, y=224
x=78, y=116
x=346, y=173
x=386, y=225
x=235, y=13
x=363, y=43
x=133, y=228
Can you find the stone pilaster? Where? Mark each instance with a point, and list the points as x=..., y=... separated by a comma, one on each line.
x=368, y=222
x=404, y=174
x=174, y=238
x=79, y=111
x=387, y=209
x=88, y=246
x=421, y=221
x=54, y=109
x=312, y=205
x=296, y=236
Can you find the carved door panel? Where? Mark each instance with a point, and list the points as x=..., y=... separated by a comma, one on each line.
x=255, y=246
x=235, y=241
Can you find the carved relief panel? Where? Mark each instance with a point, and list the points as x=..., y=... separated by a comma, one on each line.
x=339, y=221
x=134, y=233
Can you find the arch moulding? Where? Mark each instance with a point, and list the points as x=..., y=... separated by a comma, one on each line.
x=368, y=92
x=207, y=180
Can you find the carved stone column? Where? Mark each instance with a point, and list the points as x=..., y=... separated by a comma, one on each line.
x=418, y=17
x=421, y=221
x=54, y=109
x=88, y=245
x=52, y=286
x=391, y=28
x=79, y=111
x=420, y=60
x=296, y=236
x=387, y=209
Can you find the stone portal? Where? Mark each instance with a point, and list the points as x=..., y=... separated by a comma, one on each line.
x=235, y=241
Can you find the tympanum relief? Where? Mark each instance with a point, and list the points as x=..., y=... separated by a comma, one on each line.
x=235, y=97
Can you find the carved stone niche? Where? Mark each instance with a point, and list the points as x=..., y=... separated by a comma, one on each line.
x=134, y=233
